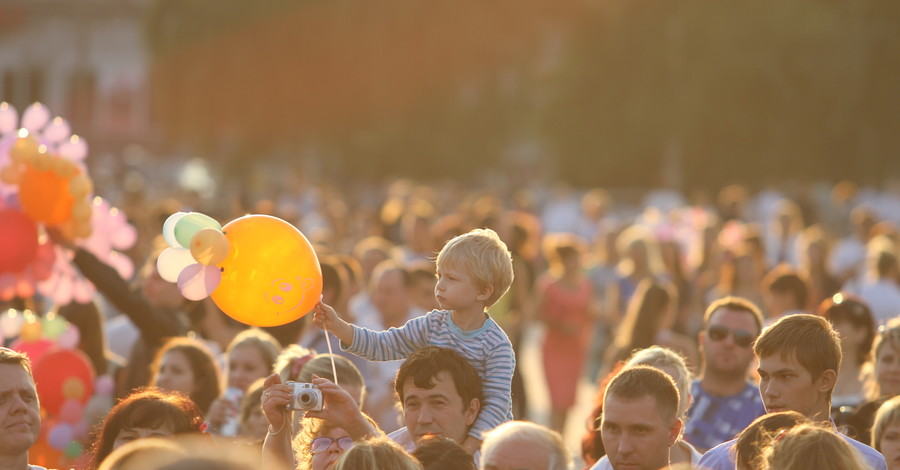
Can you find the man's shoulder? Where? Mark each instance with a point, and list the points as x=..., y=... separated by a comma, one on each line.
x=871, y=456
x=719, y=457
x=402, y=438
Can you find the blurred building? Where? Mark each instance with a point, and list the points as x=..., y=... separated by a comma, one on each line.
x=86, y=60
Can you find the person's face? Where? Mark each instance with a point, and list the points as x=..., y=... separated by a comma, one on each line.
x=785, y=385
x=245, y=365
x=326, y=460
x=724, y=357
x=20, y=417
x=515, y=455
x=890, y=445
x=851, y=335
x=438, y=410
x=634, y=434
x=390, y=296
x=887, y=370
x=175, y=373
x=455, y=289
x=160, y=292
x=255, y=426
x=423, y=294
x=127, y=435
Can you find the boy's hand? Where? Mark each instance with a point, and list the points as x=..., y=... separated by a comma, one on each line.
x=326, y=318
x=470, y=444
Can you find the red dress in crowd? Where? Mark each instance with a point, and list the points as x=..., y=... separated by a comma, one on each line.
x=564, y=353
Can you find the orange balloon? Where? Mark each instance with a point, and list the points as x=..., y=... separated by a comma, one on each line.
x=45, y=196
x=271, y=275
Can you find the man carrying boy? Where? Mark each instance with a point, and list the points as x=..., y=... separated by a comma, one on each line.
x=799, y=357
x=473, y=271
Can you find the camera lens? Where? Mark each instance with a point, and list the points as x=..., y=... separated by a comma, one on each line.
x=305, y=398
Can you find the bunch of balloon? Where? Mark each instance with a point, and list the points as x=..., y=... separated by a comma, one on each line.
x=260, y=270
x=43, y=183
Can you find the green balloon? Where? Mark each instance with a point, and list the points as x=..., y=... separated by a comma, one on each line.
x=73, y=450
x=192, y=223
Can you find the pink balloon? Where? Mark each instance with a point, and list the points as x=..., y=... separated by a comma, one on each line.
x=35, y=117
x=197, y=282
x=35, y=350
x=69, y=338
x=104, y=386
x=71, y=412
x=9, y=118
x=75, y=148
x=57, y=130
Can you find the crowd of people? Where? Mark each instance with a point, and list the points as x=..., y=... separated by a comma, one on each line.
x=754, y=331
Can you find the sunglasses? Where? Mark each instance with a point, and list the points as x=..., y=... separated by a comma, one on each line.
x=741, y=338
x=322, y=444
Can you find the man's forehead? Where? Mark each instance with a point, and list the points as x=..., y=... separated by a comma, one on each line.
x=779, y=361
x=443, y=386
x=14, y=376
x=643, y=409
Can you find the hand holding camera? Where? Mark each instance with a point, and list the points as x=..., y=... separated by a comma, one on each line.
x=305, y=397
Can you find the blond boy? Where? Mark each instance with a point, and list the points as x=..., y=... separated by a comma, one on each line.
x=473, y=271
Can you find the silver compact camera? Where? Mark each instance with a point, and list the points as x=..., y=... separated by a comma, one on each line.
x=307, y=397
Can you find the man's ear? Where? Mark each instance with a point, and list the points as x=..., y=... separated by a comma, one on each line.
x=471, y=411
x=485, y=292
x=701, y=337
x=826, y=381
x=674, y=432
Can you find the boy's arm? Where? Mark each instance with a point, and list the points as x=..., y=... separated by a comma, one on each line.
x=391, y=344
x=501, y=362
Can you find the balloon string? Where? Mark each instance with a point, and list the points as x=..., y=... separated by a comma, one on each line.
x=331, y=354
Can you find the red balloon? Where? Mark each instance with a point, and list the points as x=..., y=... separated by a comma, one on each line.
x=61, y=373
x=35, y=350
x=18, y=241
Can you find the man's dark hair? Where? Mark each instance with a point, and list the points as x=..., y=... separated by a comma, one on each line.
x=784, y=280
x=443, y=453
x=738, y=304
x=640, y=381
x=424, y=365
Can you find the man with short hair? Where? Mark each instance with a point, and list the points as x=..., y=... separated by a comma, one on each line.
x=20, y=417
x=799, y=358
x=440, y=394
x=392, y=307
x=640, y=420
x=786, y=293
x=724, y=401
x=522, y=445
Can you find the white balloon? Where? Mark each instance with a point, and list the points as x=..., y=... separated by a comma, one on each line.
x=35, y=117
x=169, y=229
x=172, y=261
x=11, y=323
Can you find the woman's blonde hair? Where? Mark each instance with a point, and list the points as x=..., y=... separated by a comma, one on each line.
x=812, y=446
x=377, y=454
x=267, y=345
x=888, y=413
x=311, y=428
x=664, y=358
